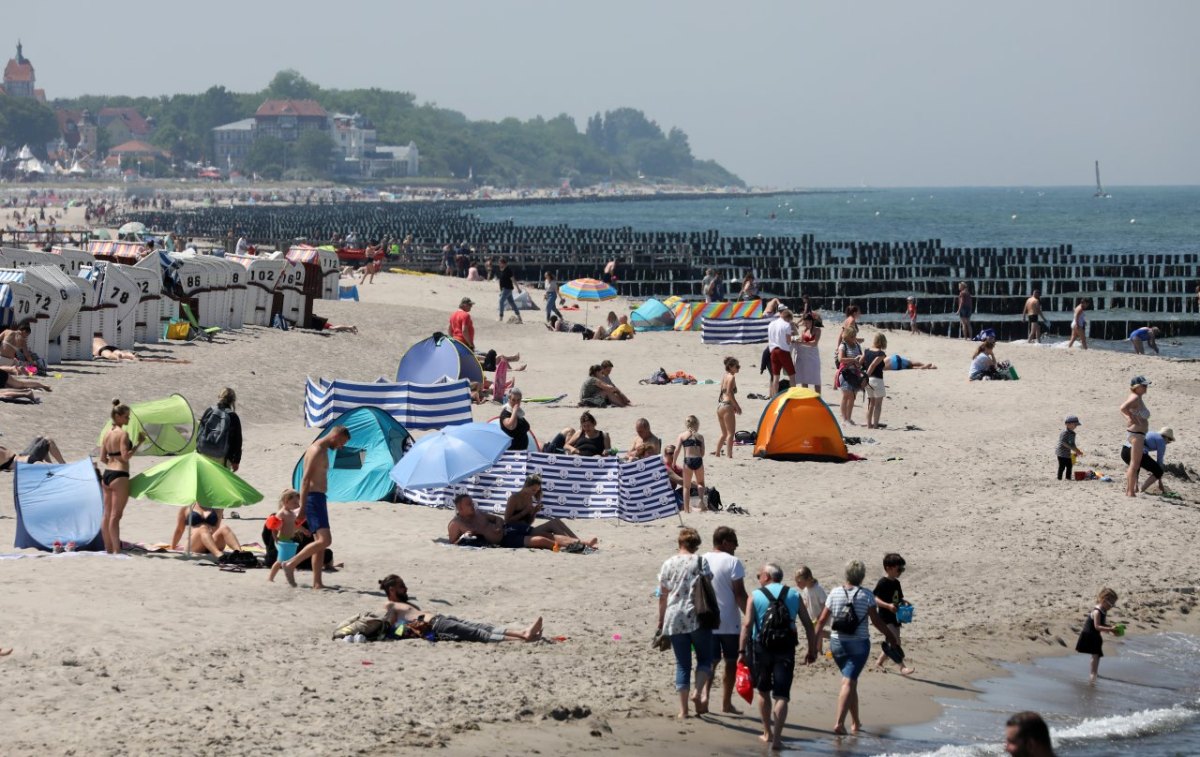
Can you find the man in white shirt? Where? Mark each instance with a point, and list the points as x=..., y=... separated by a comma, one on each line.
x=728, y=579
x=779, y=342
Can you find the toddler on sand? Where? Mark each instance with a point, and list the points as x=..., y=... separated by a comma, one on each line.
x=1066, y=447
x=283, y=523
x=1096, y=623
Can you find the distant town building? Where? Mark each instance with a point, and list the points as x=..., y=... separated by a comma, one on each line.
x=124, y=124
x=136, y=151
x=288, y=119
x=232, y=142
x=19, y=79
x=353, y=136
x=390, y=161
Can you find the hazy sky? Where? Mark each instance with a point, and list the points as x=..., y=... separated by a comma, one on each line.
x=887, y=93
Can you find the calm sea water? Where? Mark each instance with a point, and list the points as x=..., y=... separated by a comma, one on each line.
x=1132, y=219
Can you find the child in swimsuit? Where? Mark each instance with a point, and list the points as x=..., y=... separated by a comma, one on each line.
x=1089, y=641
x=691, y=444
x=282, y=527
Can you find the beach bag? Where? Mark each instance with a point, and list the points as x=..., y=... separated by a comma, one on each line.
x=714, y=500
x=745, y=437
x=661, y=642
x=213, y=436
x=704, y=599
x=658, y=377
x=778, y=632
x=850, y=377
x=847, y=620
x=743, y=683
x=369, y=624
x=177, y=329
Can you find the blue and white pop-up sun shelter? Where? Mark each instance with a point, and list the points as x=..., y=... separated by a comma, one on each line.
x=59, y=503
x=432, y=360
x=652, y=316
x=359, y=472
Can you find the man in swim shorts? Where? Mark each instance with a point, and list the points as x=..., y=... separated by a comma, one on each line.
x=1033, y=314
x=471, y=528
x=313, y=511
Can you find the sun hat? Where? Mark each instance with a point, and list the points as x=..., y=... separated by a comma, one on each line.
x=1072, y=419
x=1167, y=433
x=1139, y=381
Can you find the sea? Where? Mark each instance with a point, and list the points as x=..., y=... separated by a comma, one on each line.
x=1129, y=219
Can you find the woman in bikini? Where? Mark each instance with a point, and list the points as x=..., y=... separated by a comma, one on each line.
x=210, y=533
x=1137, y=419
x=691, y=444
x=727, y=407
x=116, y=450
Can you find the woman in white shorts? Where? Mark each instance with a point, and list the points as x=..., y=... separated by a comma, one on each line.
x=874, y=361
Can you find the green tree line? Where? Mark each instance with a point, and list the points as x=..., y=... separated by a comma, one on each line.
x=620, y=145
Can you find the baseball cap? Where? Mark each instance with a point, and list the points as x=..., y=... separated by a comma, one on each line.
x=1071, y=419
x=1167, y=433
x=466, y=301
x=1139, y=381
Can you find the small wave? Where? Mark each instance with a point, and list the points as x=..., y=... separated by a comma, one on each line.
x=953, y=750
x=1133, y=725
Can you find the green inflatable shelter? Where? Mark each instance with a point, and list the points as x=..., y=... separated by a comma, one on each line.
x=168, y=425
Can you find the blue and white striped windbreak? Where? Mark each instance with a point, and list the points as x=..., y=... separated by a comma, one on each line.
x=572, y=487
x=414, y=406
x=734, y=330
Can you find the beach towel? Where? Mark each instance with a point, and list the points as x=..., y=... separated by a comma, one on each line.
x=499, y=386
x=545, y=400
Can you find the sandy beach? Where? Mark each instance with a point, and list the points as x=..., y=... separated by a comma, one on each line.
x=157, y=654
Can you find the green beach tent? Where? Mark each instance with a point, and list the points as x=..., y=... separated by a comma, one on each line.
x=168, y=424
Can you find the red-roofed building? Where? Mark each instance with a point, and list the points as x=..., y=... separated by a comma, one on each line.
x=19, y=77
x=138, y=149
x=286, y=119
x=124, y=124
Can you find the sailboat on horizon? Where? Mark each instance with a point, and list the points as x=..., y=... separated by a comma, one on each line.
x=1099, y=187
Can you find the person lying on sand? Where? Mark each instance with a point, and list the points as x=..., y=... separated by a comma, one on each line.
x=471, y=528
x=41, y=450
x=5, y=652
x=897, y=363
x=405, y=617
x=10, y=380
x=523, y=505
x=102, y=350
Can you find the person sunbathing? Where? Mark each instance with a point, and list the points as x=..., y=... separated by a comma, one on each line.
x=406, y=620
x=11, y=379
x=897, y=363
x=523, y=505
x=622, y=331
x=41, y=450
x=471, y=528
x=210, y=533
x=102, y=350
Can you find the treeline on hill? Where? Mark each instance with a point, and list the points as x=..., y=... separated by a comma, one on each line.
x=619, y=145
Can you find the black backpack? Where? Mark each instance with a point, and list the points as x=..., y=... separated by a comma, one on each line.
x=714, y=500
x=847, y=620
x=778, y=631
x=213, y=437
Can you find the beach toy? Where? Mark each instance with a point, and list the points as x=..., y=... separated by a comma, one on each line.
x=904, y=613
x=1119, y=629
x=287, y=550
x=616, y=637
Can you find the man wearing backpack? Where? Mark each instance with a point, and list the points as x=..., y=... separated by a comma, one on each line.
x=220, y=433
x=769, y=627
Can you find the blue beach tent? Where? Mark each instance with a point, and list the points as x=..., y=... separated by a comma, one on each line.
x=59, y=503
x=359, y=471
x=438, y=357
x=652, y=316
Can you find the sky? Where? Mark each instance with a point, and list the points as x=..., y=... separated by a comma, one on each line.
x=785, y=94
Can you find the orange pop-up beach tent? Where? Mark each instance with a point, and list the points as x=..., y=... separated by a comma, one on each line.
x=798, y=425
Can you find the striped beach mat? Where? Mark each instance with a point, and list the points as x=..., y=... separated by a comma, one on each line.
x=414, y=406
x=734, y=330
x=572, y=486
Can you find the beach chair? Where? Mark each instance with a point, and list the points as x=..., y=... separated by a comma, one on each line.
x=201, y=331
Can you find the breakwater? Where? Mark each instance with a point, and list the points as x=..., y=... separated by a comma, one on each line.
x=1126, y=289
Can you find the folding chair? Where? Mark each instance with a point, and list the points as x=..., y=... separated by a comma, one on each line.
x=205, y=331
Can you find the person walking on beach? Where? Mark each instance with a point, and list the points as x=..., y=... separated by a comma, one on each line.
x=849, y=607
x=1090, y=641
x=678, y=622
x=116, y=450
x=1066, y=450
x=1079, y=323
x=729, y=584
x=849, y=377
x=691, y=444
x=1027, y=735
x=219, y=436
x=727, y=407
x=910, y=314
x=965, y=308
x=462, y=327
x=1146, y=335
x=889, y=596
x=779, y=342
x=551, y=286
x=813, y=595
x=770, y=636
x=507, y=284
x=313, y=505
x=1137, y=420
x=1033, y=314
